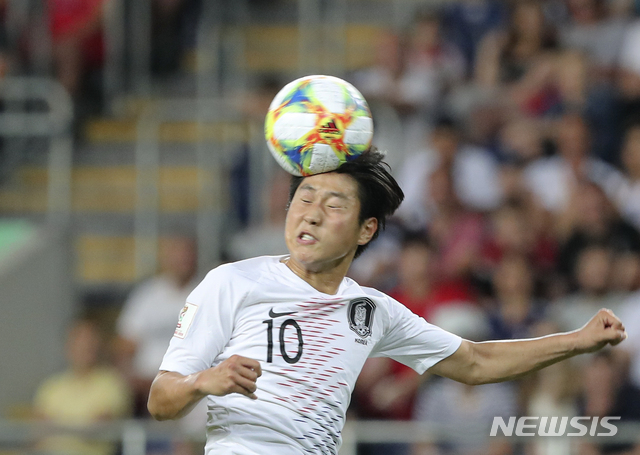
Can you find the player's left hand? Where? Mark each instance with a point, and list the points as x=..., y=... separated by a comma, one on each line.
x=604, y=328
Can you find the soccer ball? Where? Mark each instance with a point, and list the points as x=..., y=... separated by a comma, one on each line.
x=317, y=123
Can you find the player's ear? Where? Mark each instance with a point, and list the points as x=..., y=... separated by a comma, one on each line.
x=368, y=228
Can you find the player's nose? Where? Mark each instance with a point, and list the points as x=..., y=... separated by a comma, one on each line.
x=312, y=219
x=313, y=215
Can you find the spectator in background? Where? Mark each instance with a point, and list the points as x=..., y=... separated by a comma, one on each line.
x=380, y=85
x=265, y=238
x=572, y=80
x=522, y=226
x=513, y=231
x=580, y=89
x=466, y=22
x=473, y=169
x=145, y=327
x=521, y=141
x=516, y=313
x=595, y=32
x=149, y=316
x=628, y=199
x=527, y=39
x=553, y=180
x=419, y=287
x=520, y=61
x=591, y=218
x=606, y=391
x=522, y=219
x=86, y=393
x=456, y=232
x=592, y=274
x=379, y=82
x=625, y=273
x=628, y=81
x=77, y=41
x=551, y=392
x=464, y=413
x=432, y=65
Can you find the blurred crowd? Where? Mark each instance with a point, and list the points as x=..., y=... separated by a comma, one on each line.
x=69, y=39
x=110, y=366
x=520, y=162
x=520, y=170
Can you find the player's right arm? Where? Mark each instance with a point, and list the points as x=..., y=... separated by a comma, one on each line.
x=205, y=326
x=173, y=395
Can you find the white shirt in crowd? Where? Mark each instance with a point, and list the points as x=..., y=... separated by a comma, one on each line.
x=630, y=52
x=311, y=347
x=149, y=318
x=466, y=413
x=475, y=179
x=551, y=180
x=601, y=42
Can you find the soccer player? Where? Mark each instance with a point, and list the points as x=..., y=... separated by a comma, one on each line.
x=276, y=343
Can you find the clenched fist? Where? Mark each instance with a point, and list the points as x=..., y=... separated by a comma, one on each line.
x=604, y=328
x=237, y=374
x=173, y=395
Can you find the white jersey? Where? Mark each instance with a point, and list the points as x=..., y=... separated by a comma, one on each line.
x=311, y=347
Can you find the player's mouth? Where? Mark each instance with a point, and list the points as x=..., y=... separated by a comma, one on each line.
x=304, y=238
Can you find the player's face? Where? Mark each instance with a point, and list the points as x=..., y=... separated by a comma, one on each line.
x=322, y=229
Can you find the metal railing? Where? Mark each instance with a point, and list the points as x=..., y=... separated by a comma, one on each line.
x=134, y=436
x=54, y=124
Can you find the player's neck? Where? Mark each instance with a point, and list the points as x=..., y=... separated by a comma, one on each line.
x=326, y=280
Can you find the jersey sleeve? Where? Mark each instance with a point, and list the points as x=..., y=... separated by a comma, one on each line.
x=204, y=324
x=414, y=342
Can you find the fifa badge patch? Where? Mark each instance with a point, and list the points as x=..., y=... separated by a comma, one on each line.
x=185, y=319
x=360, y=315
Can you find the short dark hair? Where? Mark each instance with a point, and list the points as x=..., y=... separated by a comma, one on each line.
x=378, y=192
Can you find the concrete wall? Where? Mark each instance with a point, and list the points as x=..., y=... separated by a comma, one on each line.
x=36, y=303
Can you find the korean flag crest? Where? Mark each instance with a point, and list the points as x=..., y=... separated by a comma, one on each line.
x=360, y=314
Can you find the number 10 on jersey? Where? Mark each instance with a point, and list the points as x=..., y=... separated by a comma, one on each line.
x=287, y=358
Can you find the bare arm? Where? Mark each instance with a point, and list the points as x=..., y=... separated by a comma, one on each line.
x=173, y=395
x=497, y=361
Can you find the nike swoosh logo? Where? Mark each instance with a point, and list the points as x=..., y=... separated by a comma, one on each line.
x=273, y=314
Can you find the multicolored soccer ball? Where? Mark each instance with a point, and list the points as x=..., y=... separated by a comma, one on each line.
x=317, y=123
